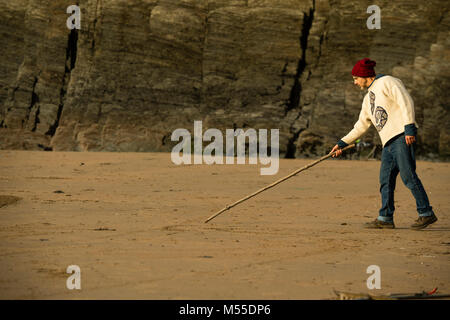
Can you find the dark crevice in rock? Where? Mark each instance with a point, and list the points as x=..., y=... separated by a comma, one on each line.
x=36, y=120
x=51, y=131
x=295, y=95
x=294, y=98
x=94, y=25
x=283, y=76
x=163, y=140
x=34, y=100
x=93, y=40
x=291, y=146
x=71, y=58
x=71, y=51
x=45, y=148
x=320, y=47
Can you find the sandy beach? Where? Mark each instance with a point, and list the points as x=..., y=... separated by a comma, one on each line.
x=134, y=224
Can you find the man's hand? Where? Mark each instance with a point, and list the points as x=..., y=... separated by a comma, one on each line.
x=338, y=153
x=410, y=140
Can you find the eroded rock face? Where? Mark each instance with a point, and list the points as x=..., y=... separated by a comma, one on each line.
x=137, y=70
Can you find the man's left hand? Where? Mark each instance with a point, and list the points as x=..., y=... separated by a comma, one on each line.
x=410, y=140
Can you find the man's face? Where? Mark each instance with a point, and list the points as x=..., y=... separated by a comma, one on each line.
x=362, y=83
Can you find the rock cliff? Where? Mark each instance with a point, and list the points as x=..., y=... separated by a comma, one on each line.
x=137, y=70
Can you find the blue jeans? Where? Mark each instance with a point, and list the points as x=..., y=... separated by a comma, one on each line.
x=397, y=157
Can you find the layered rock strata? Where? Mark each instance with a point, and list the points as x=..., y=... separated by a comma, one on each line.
x=137, y=70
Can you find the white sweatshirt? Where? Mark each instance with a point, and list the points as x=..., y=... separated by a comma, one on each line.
x=388, y=106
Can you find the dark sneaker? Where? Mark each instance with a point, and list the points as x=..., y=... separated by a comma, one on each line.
x=423, y=222
x=378, y=224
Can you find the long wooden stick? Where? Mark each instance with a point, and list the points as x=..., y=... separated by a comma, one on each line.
x=275, y=183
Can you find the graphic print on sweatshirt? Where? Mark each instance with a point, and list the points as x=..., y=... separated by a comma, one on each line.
x=381, y=118
x=372, y=101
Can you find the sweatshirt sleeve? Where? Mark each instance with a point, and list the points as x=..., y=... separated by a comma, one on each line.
x=401, y=96
x=361, y=126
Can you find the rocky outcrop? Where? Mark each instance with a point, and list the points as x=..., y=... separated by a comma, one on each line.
x=137, y=70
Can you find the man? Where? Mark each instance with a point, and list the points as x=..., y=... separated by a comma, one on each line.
x=390, y=108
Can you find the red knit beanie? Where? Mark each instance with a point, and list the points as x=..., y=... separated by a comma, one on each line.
x=364, y=68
